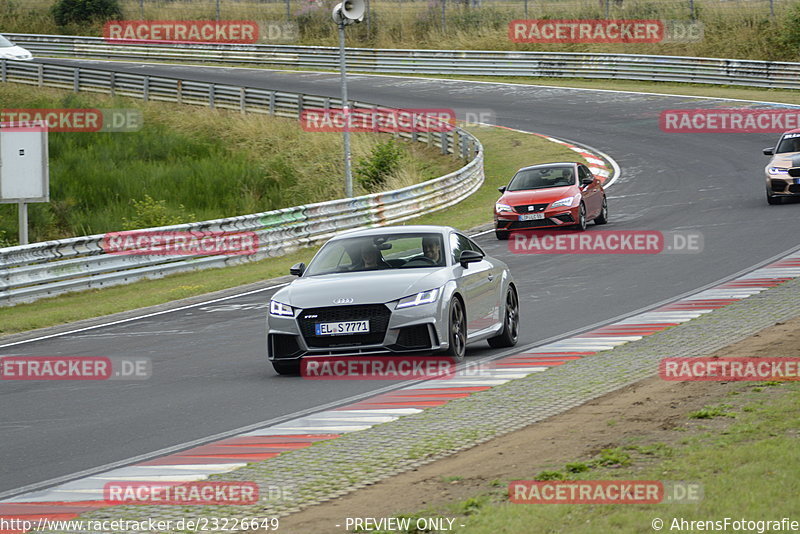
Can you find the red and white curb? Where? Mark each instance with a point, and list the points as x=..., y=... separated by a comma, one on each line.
x=69, y=500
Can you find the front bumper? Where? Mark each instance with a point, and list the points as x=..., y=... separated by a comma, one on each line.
x=415, y=329
x=553, y=218
x=784, y=184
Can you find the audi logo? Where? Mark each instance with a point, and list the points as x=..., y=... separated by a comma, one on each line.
x=342, y=301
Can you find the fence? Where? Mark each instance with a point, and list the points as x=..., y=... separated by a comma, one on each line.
x=39, y=270
x=462, y=62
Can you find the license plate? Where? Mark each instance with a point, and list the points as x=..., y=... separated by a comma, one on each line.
x=531, y=216
x=343, y=328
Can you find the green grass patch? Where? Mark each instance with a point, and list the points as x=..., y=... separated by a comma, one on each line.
x=710, y=412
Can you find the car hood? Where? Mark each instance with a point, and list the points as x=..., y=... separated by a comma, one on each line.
x=785, y=160
x=538, y=196
x=369, y=287
x=14, y=52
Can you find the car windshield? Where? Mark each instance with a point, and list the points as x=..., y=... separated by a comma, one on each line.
x=789, y=143
x=379, y=252
x=542, y=178
x=5, y=43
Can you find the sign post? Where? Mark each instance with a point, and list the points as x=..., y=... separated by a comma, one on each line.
x=24, y=168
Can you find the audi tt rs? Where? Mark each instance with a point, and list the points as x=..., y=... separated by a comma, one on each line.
x=383, y=291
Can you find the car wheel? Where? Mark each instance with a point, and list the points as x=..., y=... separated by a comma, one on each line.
x=581, y=226
x=603, y=217
x=502, y=235
x=457, y=331
x=772, y=200
x=286, y=367
x=510, y=333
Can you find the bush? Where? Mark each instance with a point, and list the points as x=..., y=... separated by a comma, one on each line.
x=154, y=213
x=373, y=171
x=85, y=11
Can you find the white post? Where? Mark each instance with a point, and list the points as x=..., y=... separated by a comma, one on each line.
x=23, y=223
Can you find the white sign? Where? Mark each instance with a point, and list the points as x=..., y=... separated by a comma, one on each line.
x=24, y=172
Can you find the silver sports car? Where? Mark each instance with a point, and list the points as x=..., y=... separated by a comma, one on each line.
x=397, y=289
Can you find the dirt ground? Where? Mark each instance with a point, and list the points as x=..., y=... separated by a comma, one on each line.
x=645, y=412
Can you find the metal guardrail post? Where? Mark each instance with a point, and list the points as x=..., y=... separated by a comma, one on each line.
x=40, y=72
x=76, y=80
x=211, y=89
x=146, y=89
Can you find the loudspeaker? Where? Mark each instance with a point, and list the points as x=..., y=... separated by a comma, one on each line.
x=349, y=11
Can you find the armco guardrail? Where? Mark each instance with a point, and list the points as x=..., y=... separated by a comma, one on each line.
x=464, y=62
x=39, y=270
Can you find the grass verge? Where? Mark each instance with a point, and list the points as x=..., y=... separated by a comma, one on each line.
x=505, y=152
x=744, y=460
x=731, y=29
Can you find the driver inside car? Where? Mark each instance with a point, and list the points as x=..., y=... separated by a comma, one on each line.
x=432, y=249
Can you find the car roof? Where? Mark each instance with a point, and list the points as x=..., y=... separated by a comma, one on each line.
x=399, y=229
x=796, y=130
x=545, y=165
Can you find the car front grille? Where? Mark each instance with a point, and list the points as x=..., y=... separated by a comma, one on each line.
x=530, y=208
x=777, y=185
x=520, y=225
x=377, y=315
x=794, y=172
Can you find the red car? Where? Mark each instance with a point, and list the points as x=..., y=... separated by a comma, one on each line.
x=551, y=195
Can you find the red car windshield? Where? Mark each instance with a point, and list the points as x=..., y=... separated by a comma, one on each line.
x=542, y=178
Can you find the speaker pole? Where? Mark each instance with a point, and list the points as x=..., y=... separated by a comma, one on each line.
x=348, y=173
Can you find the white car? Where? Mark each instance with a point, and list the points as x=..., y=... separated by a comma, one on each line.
x=9, y=50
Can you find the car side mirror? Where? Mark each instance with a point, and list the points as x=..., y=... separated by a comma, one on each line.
x=469, y=256
x=502, y=189
x=297, y=269
x=769, y=151
x=587, y=181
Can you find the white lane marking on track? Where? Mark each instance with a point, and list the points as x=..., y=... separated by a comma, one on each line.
x=138, y=317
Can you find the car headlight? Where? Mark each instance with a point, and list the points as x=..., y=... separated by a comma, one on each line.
x=280, y=309
x=567, y=201
x=777, y=170
x=499, y=207
x=423, y=297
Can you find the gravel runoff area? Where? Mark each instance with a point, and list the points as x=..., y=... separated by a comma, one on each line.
x=333, y=468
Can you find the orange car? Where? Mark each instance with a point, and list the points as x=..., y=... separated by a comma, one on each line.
x=550, y=195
